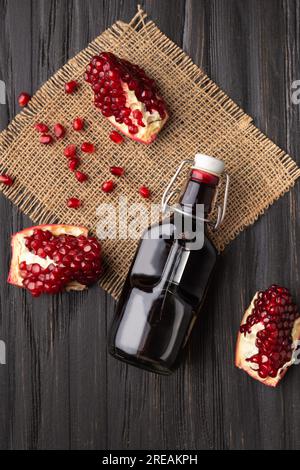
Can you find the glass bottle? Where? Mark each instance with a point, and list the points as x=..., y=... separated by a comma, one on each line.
x=169, y=276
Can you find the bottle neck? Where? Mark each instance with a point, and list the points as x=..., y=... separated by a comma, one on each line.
x=200, y=189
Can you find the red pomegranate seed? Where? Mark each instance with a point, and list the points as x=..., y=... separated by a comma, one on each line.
x=46, y=139
x=78, y=124
x=137, y=114
x=70, y=151
x=24, y=99
x=59, y=131
x=117, y=170
x=73, y=163
x=133, y=129
x=41, y=127
x=144, y=192
x=74, y=203
x=108, y=186
x=6, y=179
x=87, y=147
x=81, y=177
x=71, y=86
x=116, y=137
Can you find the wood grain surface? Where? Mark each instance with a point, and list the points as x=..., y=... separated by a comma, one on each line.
x=59, y=388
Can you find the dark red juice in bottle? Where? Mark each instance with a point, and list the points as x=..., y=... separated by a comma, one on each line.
x=168, y=279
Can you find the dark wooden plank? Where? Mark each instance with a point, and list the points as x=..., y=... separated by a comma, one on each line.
x=59, y=388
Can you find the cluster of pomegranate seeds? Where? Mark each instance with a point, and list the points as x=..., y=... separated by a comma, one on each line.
x=74, y=259
x=145, y=192
x=59, y=131
x=46, y=139
x=23, y=99
x=110, y=78
x=117, y=170
x=78, y=124
x=71, y=87
x=275, y=309
x=116, y=137
x=108, y=186
x=6, y=180
x=41, y=128
x=87, y=147
x=74, y=203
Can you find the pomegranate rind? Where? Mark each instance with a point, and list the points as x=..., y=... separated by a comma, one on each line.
x=241, y=346
x=14, y=276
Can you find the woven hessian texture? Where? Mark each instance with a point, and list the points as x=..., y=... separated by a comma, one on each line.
x=202, y=119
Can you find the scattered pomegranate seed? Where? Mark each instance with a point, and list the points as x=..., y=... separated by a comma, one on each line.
x=87, y=147
x=117, y=170
x=59, y=131
x=6, y=179
x=24, y=99
x=108, y=186
x=81, y=177
x=41, y=127
x=46, y=139
x=71, y=86
x=73, y=163
x=116, y=137
x=78, y=124
x=144, y=192
x=70, y=151
x=74, y=203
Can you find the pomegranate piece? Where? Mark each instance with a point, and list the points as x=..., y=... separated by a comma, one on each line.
x=71, y=87
x=268, y=336
x=81, y=177
x=41, y=127
x=6, y=180
x=108, y=186
x=73, y=163
x=23, y=99
x=145, y=192
x=87, y=147
x=70, y=151
x=59, y=131
x=52, y=258
x=78, y=124
x=74, y=203
x=46, y=139
x=117, y=170
x=116, y=137
x=126, y=97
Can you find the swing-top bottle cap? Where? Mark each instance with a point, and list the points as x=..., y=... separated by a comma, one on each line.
x=210, y=164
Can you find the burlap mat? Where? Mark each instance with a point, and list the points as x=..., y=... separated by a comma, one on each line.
x=202, y=119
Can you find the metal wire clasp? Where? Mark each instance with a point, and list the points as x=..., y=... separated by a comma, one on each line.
x=169, y=193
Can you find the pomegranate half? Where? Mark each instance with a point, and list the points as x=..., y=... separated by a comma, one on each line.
x=52, y=258
x=268, y=336
x=126, y=97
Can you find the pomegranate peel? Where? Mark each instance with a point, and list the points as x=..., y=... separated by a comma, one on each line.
x=51, y=258
x=268, y=336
